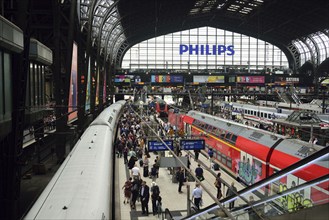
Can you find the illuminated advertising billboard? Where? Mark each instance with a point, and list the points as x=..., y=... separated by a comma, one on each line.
x=73, y=94
x=208, y=79
x=97, y=89
x=206, y=49
x=250, y=79
x=87, y=107
x=104, y=88
x=127, y=79
x=167, y=79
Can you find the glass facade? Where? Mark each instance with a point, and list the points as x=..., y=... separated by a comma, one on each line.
x=314, y=47
x=204, y=48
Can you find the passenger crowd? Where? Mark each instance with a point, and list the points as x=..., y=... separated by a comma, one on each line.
x=131, y=145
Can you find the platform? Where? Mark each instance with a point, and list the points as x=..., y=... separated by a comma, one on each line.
x=171, y=199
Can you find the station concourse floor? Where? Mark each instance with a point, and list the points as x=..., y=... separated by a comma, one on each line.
x=171, y=199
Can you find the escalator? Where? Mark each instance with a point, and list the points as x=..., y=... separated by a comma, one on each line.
x=261, y=201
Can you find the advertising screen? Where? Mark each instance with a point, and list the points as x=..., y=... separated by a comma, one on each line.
x=73, y=94
x=167, y=79
x=250, y=79
x=104, y=88
x=87, y=107
x=208, y=79
x=97, y=89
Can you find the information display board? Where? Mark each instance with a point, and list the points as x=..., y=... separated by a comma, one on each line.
x=159, y=146
x=192, y=144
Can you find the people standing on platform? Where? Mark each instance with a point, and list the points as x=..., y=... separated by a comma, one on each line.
x=127, y=190
x=134, y=193
x=145, y=197
x=197, y=195
x=199, y=173
x=218, y=185
x=196, y=155
x=155, y=197
x=131, y=162
x=230, y=192
x=153, y=172
x=210, y=155
x=135, y=173
x=188, y=161
x=157, y=165
x=146, y=162
x=181, y=179
x=125, y=154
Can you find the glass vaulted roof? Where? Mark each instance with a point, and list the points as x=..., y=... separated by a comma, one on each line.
x=106, y=29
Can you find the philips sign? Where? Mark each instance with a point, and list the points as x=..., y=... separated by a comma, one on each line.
x=206, y=49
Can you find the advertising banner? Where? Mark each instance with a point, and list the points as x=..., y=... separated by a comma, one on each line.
x=167, y=79
x=73, y=94
x=208, y=79
x=250, y=79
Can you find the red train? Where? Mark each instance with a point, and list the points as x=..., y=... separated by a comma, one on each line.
x=252, y=154
x=161, y=107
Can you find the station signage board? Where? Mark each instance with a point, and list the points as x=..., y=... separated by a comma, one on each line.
x=159, y=146
x=192, y=144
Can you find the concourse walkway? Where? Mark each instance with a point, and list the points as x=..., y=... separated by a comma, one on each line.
x=176, y=202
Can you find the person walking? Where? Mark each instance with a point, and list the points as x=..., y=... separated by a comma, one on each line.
x=125, y=154
x=127, y=190
x=196, y=155
x=155, y=196
x=199, y=173
x=230, y=192
x=145, y=197
x=210, y=154
x=135, y=173
x=146, y=162
x=134, y=192
x=197, y=195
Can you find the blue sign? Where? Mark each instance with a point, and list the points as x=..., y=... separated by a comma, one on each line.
x=159, y=146
x=192, y=144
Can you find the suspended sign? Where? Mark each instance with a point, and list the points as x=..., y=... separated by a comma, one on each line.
x=159, y=146
x=192, y=144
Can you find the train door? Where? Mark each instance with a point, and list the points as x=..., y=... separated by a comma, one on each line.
x=187, y=129
x=250, y=168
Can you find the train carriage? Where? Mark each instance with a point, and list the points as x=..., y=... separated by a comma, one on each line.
x=252, y=154
x=83, y=186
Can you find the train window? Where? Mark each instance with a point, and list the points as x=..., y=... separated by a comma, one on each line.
x=248, y=112
x=110, y=119
x=223, y=134
x=219, y=156
x=223, y=159
x=245, y=111
x=229, y=162
x=215, y=131
x=269, y=116
x=262, y=114
x=209, y=128
x=233, y=138
x=265, y=115
x=228, y=135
